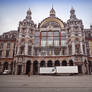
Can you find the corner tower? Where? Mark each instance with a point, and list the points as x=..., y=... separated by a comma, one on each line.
x=76, y=40
x=24, y=47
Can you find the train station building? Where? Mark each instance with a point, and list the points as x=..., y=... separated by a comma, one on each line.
x=52, y=43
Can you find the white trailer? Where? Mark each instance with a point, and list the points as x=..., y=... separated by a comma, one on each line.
x=67, y=69
x=47, y=70
x=59, y=70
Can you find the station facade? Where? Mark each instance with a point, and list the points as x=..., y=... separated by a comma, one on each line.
x=51, y=43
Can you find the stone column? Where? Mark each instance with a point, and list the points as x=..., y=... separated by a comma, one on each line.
x=46, y=64
x=83, y=69
x=61, y=63
x=1, y=68
x=31, y=70
x=24, y=68
x=81, y=47
x=38, y=68
x=9, y=66
x=53, y=63
x=18, y=50
x=32, y=50
x=16, y=69
x=26, y=48
x=73, y=48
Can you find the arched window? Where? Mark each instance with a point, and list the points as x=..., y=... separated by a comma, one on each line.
x=49, y=64
x=35, y=67
x=70, y=62
x=22, y=49
x=42, y=64
x=57, y=63
x=5, y=66
x=28, y=66
x=64, y=63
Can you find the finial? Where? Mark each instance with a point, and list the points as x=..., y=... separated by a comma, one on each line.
x=52, y=5
x=72, y=13
x=29, y=14
x=52, y=12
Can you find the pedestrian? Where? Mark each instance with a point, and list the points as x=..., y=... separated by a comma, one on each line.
x=28, y=74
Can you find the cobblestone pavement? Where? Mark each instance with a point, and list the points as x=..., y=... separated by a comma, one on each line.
x=39, y=83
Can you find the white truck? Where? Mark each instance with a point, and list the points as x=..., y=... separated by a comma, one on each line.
x=59, y=70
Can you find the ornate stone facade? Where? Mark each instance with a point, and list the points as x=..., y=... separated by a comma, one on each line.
x=52, y=43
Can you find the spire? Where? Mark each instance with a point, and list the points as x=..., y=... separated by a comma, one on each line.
x=29, y=14
x=72, y=13
x=52, y=12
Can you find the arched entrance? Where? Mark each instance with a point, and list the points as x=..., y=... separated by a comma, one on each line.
x=89, y=65
x=28, y=66
x=19, y=70
x=0, y=68
x=85, y=63
x=70, y=62
x=64, y=63
x=57, y=63
x=35, y=67
x=79, y=68
x=49, y=64
x=11, y=67
x=42, y=64
x=5, y=66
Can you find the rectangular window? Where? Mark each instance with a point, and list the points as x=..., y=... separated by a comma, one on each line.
x=1, y=45
x=44, y=33
x=43, y=42
x=63, y=42
x=8, y=44
x=56, y=41
x=37, y=33
x=7, y=53
x=56, y=34
x=37, y=41
x=29, y=50
x=50, y=41
x=0, y=53
x=50, y=33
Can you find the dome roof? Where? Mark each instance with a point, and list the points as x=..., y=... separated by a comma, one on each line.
x=52, y=19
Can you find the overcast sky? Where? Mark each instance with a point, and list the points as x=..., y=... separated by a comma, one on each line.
x=13, y=11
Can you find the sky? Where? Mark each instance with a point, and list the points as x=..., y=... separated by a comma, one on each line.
x=13, y=11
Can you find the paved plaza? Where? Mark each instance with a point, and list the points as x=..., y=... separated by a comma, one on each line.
x=39, y=83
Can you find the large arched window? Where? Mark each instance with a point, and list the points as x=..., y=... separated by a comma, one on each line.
x=70, y=62
x=49, y=64
x=35, y=67
x=5, y=66
x=64, y=63
x=57, y=63
x=28, y=66
x=42, y=64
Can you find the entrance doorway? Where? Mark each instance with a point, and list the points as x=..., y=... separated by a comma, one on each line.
x=79, y=69
x=35, y=67
x=70, y=63
x=42, y=64
x=5, y=66
x=28, y=67
x=49, y=64
x=64, y=63
x=57, y=63
x=19, y=69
